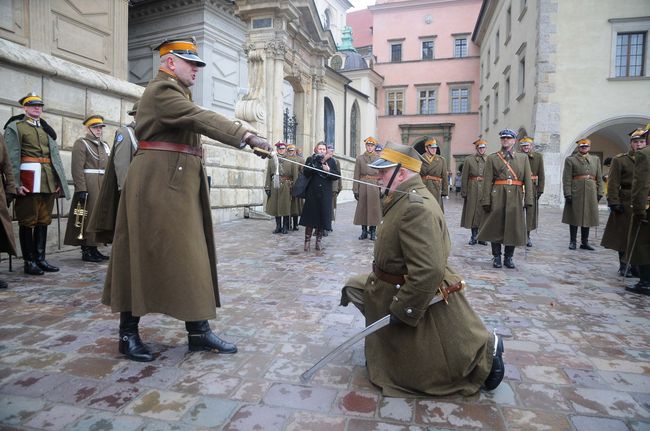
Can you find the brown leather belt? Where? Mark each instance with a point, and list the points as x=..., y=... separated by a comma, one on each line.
x=508, y=183
x=431, y=177
x=476, y=178
x=584, y=177
x=286, y=178
x=369, y=177
x=170, y=146
x=443, y=291
x=35, y=160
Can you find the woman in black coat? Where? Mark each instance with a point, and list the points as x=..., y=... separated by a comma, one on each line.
x=317, y=211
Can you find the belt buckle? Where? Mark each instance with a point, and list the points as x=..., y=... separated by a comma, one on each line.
x=509, y=181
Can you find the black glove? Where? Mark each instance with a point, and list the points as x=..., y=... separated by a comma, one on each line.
x=82, y=196
x=394, y=320
x=539, y=194
x=255, y=141
x=10, y=198
x=487, y=208
x=620, y=209
x=568, y=199
x=598, y=198
x=268, y=193
x=356, y=196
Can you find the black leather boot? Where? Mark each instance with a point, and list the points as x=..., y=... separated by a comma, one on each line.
x=99, y=254
x=573, y=232
x=295, y=222
x=40, y=239
x=278, y=225
x=130, y=343
x=584, y=239
x=364, y=232
x=498, y=368
x=26, y=237
x=622, y=266
x=201, y=337
x=373, y=233
x=529, y=243
x=496, y=252
x=285, y=224
x=87, y=254
x=472, y=240
x=507, y=256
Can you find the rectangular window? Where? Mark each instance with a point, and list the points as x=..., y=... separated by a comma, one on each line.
x=506, y=92
x=496, y=103
x=427, y=102
x=508, y=22
x=395, y=52
x=460, y=47
x=262, y=23
x=487, y=65
x=460, y=99
x=522, y=75
x=630, y=49
x=394, y=102
x=427, y=50
x=497, y=42
x=487, y=113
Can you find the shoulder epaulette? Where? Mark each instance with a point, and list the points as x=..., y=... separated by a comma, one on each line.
x=620, y=155
x=415, y=197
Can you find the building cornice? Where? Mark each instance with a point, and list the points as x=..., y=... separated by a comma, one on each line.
x=147, y=9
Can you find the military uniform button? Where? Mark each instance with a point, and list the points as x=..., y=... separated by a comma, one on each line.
x=409, y=311
x=180, y=168
x=395, y=299
x=397, y=286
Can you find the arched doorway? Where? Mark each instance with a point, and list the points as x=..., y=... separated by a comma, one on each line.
x=419, y=144
x=355, y=129
x=329, y=122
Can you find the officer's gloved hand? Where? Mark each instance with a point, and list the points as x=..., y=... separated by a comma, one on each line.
x=255, y=141
x=268, y=193
x=598, y=198
x=568, y=199
x=82, y=196
x=487, y=208
x=394, y=320
x=356, y=196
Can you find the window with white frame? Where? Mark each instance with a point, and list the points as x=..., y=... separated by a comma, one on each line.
x=427, y=100
x=496, y=102
x=508, y=23
x=396, y=52
x=521, y=86
x=427, y=50
x=460, y=47
x=497, y=43
x=506, y=92
x=630, y=54
x=394, y=102
x=459, y=99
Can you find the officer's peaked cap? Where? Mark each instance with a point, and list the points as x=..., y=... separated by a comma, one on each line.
x=185, y=49
x=394, y=154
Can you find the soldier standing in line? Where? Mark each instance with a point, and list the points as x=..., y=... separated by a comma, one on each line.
x=638, y=252
x=337, y=186
x=583, y=187
x=89, y=158
x=296, y=203
x=39, y=177
x=619, y=200
x=507, y=188
x=101, y=220
x=279, y=198
x=438, y=349
x=166, y=200
x=7, y=195
x=536, y=161
x=368, y=211
x=434, y=171
x=471, y=191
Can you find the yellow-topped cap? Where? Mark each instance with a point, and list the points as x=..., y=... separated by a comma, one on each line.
x=94, y=121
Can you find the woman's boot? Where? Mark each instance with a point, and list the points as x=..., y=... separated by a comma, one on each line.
x=319, y=237
x=308, y=231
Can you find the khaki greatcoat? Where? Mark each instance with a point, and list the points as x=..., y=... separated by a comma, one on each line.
x=505, y=223
x=619, y=192
x=368, y=211
x=7, y=186
x=441, y=349
x=536, y=161
x=279, y=203
x=164, y=258
x=583, y=209
x=640, y=202
x=435, y=166
x=297, y=203
x=471, y=191
x=87, y=153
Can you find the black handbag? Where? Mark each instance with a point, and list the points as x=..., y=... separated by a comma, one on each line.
x=300, y=186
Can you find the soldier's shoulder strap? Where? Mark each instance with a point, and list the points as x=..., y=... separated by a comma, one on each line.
x=620, y=155
x=416, y=197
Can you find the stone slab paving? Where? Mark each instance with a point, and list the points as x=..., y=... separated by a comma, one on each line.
x=577, y=345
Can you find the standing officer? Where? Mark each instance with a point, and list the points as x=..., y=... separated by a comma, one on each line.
x=40, y=178
x=337, y=186
x=164, y=258
x=279, y=202
x=101, y=220
x=471, y=191
x=438, y=349
x=368, y=211
x=296, y=203
x=582, y=181
x=89, y=158
x=619, y=200
x=639, y=236
x=507, y=187
x=434, y=171
x=536, y=161
x=7, y=195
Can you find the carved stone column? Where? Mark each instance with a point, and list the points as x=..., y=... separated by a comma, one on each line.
x=252, y=106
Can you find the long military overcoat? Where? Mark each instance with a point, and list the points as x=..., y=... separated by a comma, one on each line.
x=8, y=185
x=87, y=153
x=163, y=258
x=505, y=223
x=435, y=166
x=337, y=187
x=583, y=209
x=368, y=211
x=297, y=203
x=102, y=219
x=640, y=207
x=536, y=161
x=619, y=192
x=471, y=189
x=441, y=349
x=279, y=203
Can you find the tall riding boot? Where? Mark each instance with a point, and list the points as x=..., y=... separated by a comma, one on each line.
x=201, y=337
x=99, y=254
x=573, y=232
x=319, y=237
x=87, y=254
x=278, y=224
x=643, y=286
x=472, y=240
x=295, y=222
x=498, y=369
x=308, y=231
x=496, y=253
x=130, y=343
x=40, y=239
x=26, y=237
x=622, y=266
x=364, y=232
x=584, y=239
x=507, y=256
x=373, y=233
x=529, y=243
x=285, y=224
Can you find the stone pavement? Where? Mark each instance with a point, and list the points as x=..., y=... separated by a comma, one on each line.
x=577, y=345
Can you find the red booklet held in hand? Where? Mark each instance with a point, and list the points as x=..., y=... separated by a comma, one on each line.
x=30, y=176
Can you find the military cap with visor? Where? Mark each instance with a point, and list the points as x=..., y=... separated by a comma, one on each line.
x=508, y=133
x=526, y=141
x=94, y=121
x=431, y=142
x=185, y=49
x=397, y=154
x=32, y=99
x=583, y=142
x=639, y=133
x=480, y=143
x=280, y=144
x=370, y=141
